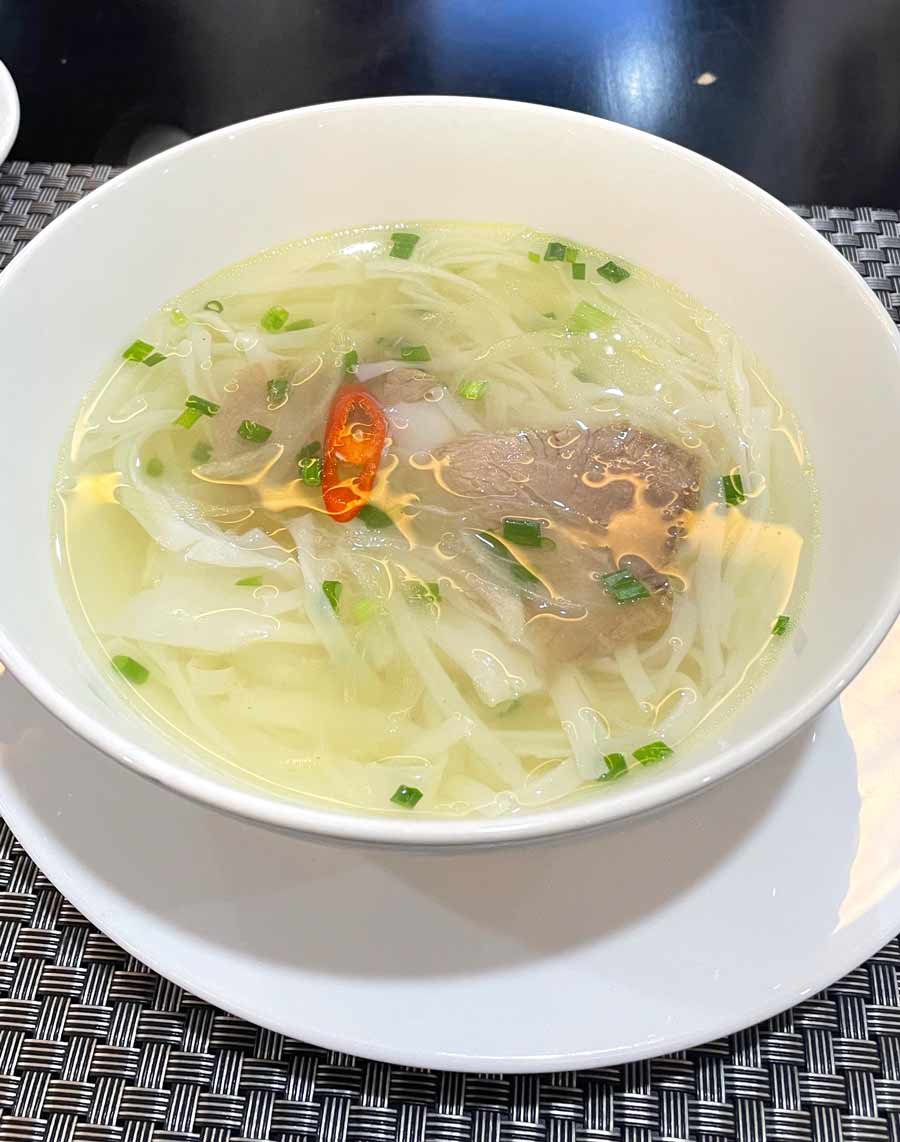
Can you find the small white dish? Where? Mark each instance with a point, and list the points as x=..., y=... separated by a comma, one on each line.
x=669, y=932
x=9, y=112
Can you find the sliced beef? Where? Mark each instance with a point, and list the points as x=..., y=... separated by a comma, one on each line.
x=406, y=386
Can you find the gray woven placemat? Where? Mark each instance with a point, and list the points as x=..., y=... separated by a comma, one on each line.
x=94, y=1047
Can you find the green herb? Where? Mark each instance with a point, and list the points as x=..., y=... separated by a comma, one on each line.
x=613, y=273
x=374, y=517
x=332, y=589
x=517, y=570
x=472, y=390
x=407, y=796
x=507, y=707
x=351, y=360
x=131, y=669
x=534, y=257
x=255, y=433
x=733, y=489
x=523, y=532
x=273, y=319
x=202, y=405
x=154, y=466
x=403, y=244
x=310, y=469
x=414, y=353
x=314, y=448
x=578, y=271
x=616, y=766
x=188, y=418
x=364, y=609
x=555, y=252
x=624, y=587
x=650, y=754
x=571, y=254
x=587, y=318
x=250, y=581
x=201, y=452
x=418, y=591
x=178, y=317
x=154, y=359
x=214, y=306
x=295, y=326
x=138, y=351
x=277, y=390
x=781, y=625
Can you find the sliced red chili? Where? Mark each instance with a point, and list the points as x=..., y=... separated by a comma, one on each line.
x=354, y=441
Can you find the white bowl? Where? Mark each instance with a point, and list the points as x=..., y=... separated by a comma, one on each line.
x=82, y=287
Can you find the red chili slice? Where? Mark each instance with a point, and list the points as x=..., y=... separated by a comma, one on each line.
x=354, y=439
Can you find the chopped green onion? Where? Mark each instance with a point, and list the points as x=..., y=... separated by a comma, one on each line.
x=154, y=466
x=250, y=581
x=587, y=318
x=523, y=532
x=407, y=796
x=624, y=587
x=496, y=547
x=733, y=489
x=314, y=448
x=202, y=405
x=414, y=353
x=650, y=754
x=578, y=271
x=138, y=351
x=255, y=433
x=555, y=252
x=781, y=624
x=188, y=418
x=273, y=319
x=534, y=257
x=154, y=359
x=616, y=766
x=295, y=326
x=277, y=390
x=551, y=316
x=374, y=517
x=178, y=317
x=472, y=390
x=571, y=254
x=214, y=306
x=418, y=591
x=351, y=360
x=131, y=669
x=201, y=452
x=507, y=707
x=310, y=469
x=332, y=589
x=613, y=273
x=364, y=609
x=403, y=244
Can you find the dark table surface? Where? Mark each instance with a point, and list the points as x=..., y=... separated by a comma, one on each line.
x=802, y=96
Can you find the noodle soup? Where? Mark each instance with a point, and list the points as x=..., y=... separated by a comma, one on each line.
x=442, y=519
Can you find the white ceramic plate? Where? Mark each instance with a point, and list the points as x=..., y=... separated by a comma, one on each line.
x=664, y=933
x=9, y=112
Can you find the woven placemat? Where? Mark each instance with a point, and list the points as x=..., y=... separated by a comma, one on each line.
x=94, y=1047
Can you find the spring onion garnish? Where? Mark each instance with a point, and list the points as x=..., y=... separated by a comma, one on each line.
x=154, y=466
x=154, y=359
x=201, y=452
x=202, y=405
x=578, y=271
x=250, y=581
x=571, y=254
x=374, y=517
x=533, y=256
x=310, y=469
x=277, y=390
x=616, y=765
x=402, y=244
x=332, y=589
x=587, y=318
x=613, y=273
x=178, y=317
x=733, y=488
x=414, y=353
x=188, y=418
x=496, y=547
x=351, y=360
x=781, y=624
x=418, y=591
x=523, y=532
x=650, y=754
x=472, y=390
x=138, y=351
x=255, y=433
x=214, y=306
x=294, y=326
x=131, y=669
x=407, y=796
x=273, y=319
x=364, y=609
x=555, y=252
x=624, y=587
